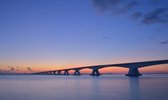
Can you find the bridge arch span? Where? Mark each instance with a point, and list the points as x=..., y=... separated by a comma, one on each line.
x=84, y=70
x=113, y=70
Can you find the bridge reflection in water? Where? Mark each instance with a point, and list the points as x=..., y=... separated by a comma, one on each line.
x=133, y=68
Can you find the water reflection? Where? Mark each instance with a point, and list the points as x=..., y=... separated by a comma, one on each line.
x=134, y=88
x=83, y=88
x=96, y=89
x=118, y=88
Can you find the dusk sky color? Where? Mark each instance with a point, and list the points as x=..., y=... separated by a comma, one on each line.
x=38, y=35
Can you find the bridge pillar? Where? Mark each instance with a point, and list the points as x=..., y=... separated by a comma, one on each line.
x=66, y=72
x=77, y=72
x=52, y=72
x=55, y=72
x=95, y=72
x=133, y=72
x=59, y=73
x=48, y=73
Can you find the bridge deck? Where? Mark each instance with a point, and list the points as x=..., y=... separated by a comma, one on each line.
x=133, y=67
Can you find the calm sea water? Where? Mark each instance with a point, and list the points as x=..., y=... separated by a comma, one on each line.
x=105, y=87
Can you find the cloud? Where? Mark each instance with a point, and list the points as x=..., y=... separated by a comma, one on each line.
x=155, y=2
x=115, y=6
x=105, y=4
x=104, y=37
x=136, y=15
x=128, y=6
x=12, y=69
x=9, y=70
x=29, y=69
x=134, y=8
x=17, y=68
x=158, y=15
x=164, y=42
x=9, y=66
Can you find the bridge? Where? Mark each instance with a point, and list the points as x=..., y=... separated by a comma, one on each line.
x=133, y=68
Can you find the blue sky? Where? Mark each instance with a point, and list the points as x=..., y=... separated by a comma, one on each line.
x=81, y=32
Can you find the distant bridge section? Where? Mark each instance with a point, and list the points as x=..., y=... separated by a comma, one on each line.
x=133, y=68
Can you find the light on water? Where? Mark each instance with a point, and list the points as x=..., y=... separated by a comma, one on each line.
x=105, y=87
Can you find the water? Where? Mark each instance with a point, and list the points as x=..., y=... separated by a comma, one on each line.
x=49, y=87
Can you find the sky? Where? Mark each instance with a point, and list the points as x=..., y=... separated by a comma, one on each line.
x=40, y=35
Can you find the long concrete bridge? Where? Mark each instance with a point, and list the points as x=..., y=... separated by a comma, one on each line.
x=133, y=68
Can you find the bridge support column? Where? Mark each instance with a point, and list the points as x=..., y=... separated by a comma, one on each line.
x=55, y=72
x=48, y=73
x=95, y=72
x=77, y=72
x=133, y=72
x=52, y=73
x=59, y=73
x=66, y=72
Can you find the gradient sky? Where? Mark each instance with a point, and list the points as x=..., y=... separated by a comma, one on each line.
x=40, y=35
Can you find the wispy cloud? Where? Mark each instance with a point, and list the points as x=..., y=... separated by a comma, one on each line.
x=164, y=42
x=155, y=2
x=12, y=69
x=105, y=37
x=136, y=15
x=116, y=7
x=159, y=15
x=17, y=68
x=29, y=69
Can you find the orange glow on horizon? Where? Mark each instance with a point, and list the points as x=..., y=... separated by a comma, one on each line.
x=112, y=70
x=44, y=67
